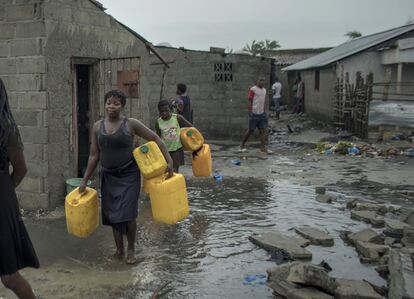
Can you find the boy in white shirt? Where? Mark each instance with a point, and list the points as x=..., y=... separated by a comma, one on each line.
x=277, y=94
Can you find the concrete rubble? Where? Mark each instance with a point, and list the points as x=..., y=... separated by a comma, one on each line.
x=401, y=275
x=324, y=198
x=305, y=280
x=369, y=217
x=353, y=289
x=394, y=228
x=366, y=206
x=275, y=241
x=408, y=237
x=409, y=218
x=365, y=235
x=371, y=252
x=315, y=236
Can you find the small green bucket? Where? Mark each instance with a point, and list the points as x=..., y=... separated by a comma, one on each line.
x=73, y=183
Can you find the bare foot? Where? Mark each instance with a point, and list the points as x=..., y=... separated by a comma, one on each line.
x=117, y=256
x=131, y=258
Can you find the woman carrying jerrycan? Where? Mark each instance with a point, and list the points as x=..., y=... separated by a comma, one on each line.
x=112, y=144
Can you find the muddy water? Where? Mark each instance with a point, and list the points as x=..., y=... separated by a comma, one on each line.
x=209, y=255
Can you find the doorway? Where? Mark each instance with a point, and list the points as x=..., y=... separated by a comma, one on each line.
x=82, y=116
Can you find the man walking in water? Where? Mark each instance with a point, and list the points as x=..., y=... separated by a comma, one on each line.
x=257, y=115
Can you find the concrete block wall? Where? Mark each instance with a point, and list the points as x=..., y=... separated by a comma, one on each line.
x=220, y=108
x=23, y=69
x=319, y=103
x=78, y=28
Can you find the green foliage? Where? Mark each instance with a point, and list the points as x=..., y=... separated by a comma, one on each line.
x=353, y=34
x=260, y=47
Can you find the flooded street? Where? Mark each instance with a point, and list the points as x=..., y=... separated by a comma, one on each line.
x=209, y=255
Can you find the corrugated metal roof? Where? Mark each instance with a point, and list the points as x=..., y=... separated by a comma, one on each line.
x=349, y=48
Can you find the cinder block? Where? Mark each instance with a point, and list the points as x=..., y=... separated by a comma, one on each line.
x=31, y=184
x=4, y=49
x=30, y=65
x=6, y=30
x=33, y=100
x=13, y=99
x=20, y=12
x=28, y=82
x=31, y=29
x=32, y=151
x=37, y=169
x=26, y=118
x=26, y=47
x=33, y=201
x=35, y=135
x=7, y=65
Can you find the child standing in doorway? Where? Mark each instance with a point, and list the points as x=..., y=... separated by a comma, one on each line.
x=168, y=128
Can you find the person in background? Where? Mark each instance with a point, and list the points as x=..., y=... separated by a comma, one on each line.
x=257, y=115
x=168, y=128
x=276, y=96
x=112, y=145
x=183, y=103
x=299, y=96
x=16, y=249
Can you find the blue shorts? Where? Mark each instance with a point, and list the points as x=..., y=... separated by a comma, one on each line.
x=276, y=103
x=257, y=121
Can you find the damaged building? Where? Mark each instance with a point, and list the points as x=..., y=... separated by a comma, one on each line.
x=59, y=57
x=367, y=81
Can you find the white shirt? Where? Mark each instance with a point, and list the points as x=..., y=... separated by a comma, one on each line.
x=277, y=89
x=259, y=97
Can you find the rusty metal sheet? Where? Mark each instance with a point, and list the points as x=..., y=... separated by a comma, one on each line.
x=127, y=82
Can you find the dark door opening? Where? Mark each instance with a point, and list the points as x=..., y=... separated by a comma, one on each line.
x=83, y=113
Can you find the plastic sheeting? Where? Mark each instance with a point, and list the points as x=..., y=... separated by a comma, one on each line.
x=393, y=113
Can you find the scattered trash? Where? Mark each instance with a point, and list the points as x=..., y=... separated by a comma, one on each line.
x=255, y=279
x=354, y=151
x=218, y=177
x=236, y=162
x=409, y=152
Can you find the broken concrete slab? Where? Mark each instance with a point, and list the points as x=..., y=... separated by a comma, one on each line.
x=353, y=289
x=394, y=228
x=311, y=275
x=366, y=235
x=401, y=274
x=275, y=241
x=315, y=236
x=366, y=206
x=320, y=190
x=409, y=217
x=408, y=239
x=324, y=198
x=276, y=279
x=351, y=203
x=370, y=251
x=369, y=217
x=307, y=293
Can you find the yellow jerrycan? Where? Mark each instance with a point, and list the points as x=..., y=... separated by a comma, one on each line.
x=191, y=139
x=202, y=163
x=150, y=160
x=82, y=212
x=148, y=184
x=169, y=202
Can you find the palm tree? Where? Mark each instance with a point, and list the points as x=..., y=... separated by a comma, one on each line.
x=260, y=47
x=255, y=47
x=353, y=34
x=271, y=45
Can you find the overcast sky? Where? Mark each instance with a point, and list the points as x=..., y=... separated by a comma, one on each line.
x=199, y=24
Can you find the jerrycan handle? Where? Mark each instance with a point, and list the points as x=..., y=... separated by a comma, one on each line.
x=144, y=149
